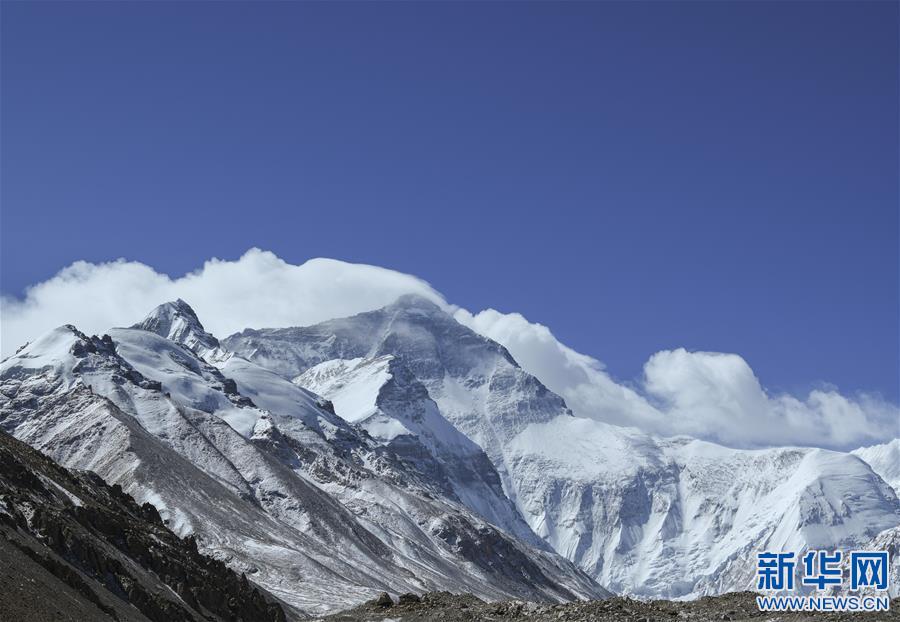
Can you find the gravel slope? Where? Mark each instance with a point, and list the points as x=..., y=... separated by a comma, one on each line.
x=466, y=608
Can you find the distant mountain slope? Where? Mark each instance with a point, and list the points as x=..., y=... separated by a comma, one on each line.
x=74, y=548
x=671, y=518
x=888, y=540
x=884, y=460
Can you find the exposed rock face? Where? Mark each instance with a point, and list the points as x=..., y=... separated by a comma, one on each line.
x=71, y=542
x=178, y=321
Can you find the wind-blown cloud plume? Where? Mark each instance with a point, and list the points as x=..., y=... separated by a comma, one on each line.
x=258, y=290
x=708, y=395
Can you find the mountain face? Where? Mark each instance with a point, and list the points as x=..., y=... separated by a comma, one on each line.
x=475, y=382
x=655, y=518
x=384, y=398
x=178, y=322
x=101, y=555
x=889, y=540
x=884, y=460
x=262, y=472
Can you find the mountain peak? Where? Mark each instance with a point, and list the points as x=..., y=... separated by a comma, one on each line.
x=182, y=307
x=176, y=320
x=418, y=302
x=171, y=309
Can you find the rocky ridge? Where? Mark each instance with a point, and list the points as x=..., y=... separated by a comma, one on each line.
x=75, y=548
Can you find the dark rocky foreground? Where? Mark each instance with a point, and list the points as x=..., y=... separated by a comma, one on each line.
x=464, y=608
x=73, y=548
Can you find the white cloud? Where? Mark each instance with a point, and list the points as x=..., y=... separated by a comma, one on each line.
x=718, y=397
x=712, y=396
x=258, y=290
x=708, y=395
x=581, y=380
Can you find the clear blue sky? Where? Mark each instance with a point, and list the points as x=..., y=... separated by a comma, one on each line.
x=637, y=176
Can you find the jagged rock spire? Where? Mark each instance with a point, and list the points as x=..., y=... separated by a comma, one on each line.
x=178, y=321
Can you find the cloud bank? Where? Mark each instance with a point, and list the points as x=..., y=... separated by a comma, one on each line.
x=708, y=395
x=258, y=290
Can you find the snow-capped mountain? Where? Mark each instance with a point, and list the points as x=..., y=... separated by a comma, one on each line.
x=385, y=399
x=656, y=518
x=178, y=322
x=260, y=470
x=398, y=450
x=884, y=460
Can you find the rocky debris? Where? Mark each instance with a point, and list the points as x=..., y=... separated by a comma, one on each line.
x=408, y=599
x=70, y=534
x=465, y=607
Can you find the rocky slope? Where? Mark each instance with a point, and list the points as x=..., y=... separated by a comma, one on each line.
x=466, y=608
x=655, y=518
x=74, y=548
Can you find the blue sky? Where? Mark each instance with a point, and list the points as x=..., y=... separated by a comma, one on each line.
x=637, y=176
